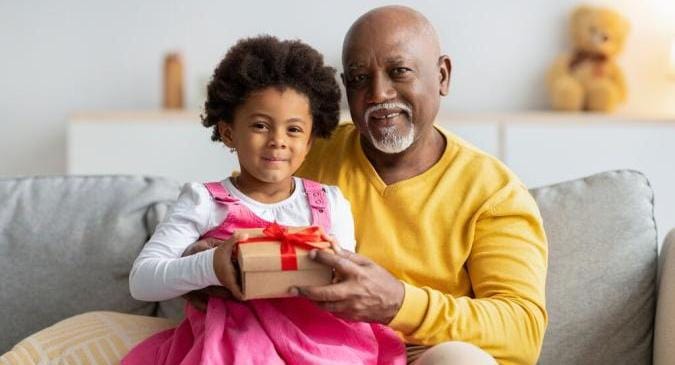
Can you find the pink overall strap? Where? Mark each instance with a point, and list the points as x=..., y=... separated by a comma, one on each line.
x=219, y=193
x=238, y=215
x=318, y=203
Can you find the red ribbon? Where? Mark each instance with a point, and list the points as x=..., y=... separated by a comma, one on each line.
x=306, y=238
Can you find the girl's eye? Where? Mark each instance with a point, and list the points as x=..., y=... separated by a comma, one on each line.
x=259, y=126
x=295, y=130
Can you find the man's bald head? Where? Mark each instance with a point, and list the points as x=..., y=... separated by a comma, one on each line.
x=394, y=76
x=394, y=18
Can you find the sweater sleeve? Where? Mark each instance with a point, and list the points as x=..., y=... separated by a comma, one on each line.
x=507, y=267
x=159, y=272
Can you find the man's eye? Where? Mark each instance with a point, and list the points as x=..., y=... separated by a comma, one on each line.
x=357, y=78
x=399, y=71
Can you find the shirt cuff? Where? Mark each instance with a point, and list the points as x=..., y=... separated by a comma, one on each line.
x=412, y=311
x=208, y=267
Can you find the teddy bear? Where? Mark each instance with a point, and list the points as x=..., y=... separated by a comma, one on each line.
x=588, y=78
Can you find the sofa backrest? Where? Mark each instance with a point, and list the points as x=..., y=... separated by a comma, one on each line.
x=67, y=245
x=601, y=284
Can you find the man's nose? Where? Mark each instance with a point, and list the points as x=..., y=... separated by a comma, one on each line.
x=381, y=89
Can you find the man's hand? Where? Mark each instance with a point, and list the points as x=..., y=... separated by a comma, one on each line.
x=365, y=291
x=200, y=298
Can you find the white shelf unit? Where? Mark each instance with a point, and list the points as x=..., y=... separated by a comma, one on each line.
x=540, y=147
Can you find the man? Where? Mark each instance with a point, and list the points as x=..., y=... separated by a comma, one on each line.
x=452, y=251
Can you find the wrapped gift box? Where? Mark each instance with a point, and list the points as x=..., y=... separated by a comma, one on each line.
x=261, y=267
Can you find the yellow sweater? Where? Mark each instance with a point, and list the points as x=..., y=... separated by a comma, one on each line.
x=465, y=237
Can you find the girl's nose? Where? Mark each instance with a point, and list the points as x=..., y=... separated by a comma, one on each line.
x=278, y=139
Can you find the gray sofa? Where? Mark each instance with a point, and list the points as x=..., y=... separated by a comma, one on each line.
x=67, y=245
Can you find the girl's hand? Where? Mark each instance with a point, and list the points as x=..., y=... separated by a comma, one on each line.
x=337, y=249
x=333, y=242
x=200, y=298
x=222, y=264
x=202, y=245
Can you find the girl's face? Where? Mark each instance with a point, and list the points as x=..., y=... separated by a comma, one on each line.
x=271, y=132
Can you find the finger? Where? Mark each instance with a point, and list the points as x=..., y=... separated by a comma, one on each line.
x=239, y=236
x=336, y=278
x=325, y=293
x=334, y=245
x=218, y=291
x=339, y=307
x=198, y=304
x=226, y=271
x=236, y=292
x=194, y=248
x=213, y=242
x=342, y=263
x=361, y=260
x=202, y=245
x=197, y=299
x=232, y=286
x=326, y=237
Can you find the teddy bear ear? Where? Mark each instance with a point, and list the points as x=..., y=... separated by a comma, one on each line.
x=625, y=26
x=579, y=14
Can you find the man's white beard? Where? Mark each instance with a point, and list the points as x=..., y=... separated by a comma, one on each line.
x=391, y=141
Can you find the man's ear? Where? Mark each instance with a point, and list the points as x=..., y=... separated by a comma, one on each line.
x=445, y=68
x=225, y=132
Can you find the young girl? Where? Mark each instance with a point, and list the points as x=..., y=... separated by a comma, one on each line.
x=267, y=100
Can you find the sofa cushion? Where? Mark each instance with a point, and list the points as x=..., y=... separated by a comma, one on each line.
x=67, y=245
x=89, y=338
x=602, y=269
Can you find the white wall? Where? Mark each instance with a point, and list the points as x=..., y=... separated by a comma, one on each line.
x=65, y=56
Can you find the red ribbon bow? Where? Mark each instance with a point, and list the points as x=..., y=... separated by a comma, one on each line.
x=306, y=238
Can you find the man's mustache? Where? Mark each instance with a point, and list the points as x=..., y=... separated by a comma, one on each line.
x=384, y=106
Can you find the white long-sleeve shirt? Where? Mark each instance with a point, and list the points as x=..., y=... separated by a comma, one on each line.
x=160, y=273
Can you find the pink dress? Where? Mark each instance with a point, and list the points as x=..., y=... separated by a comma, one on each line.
x=267, y=331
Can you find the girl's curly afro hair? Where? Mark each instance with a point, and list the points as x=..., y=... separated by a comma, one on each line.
x=257, y=63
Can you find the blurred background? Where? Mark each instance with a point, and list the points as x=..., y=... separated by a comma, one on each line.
x=59, y=58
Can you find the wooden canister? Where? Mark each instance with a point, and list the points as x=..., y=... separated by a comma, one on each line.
x=173, y=81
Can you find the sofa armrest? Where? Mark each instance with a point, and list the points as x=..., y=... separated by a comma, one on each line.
x=664, y=326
